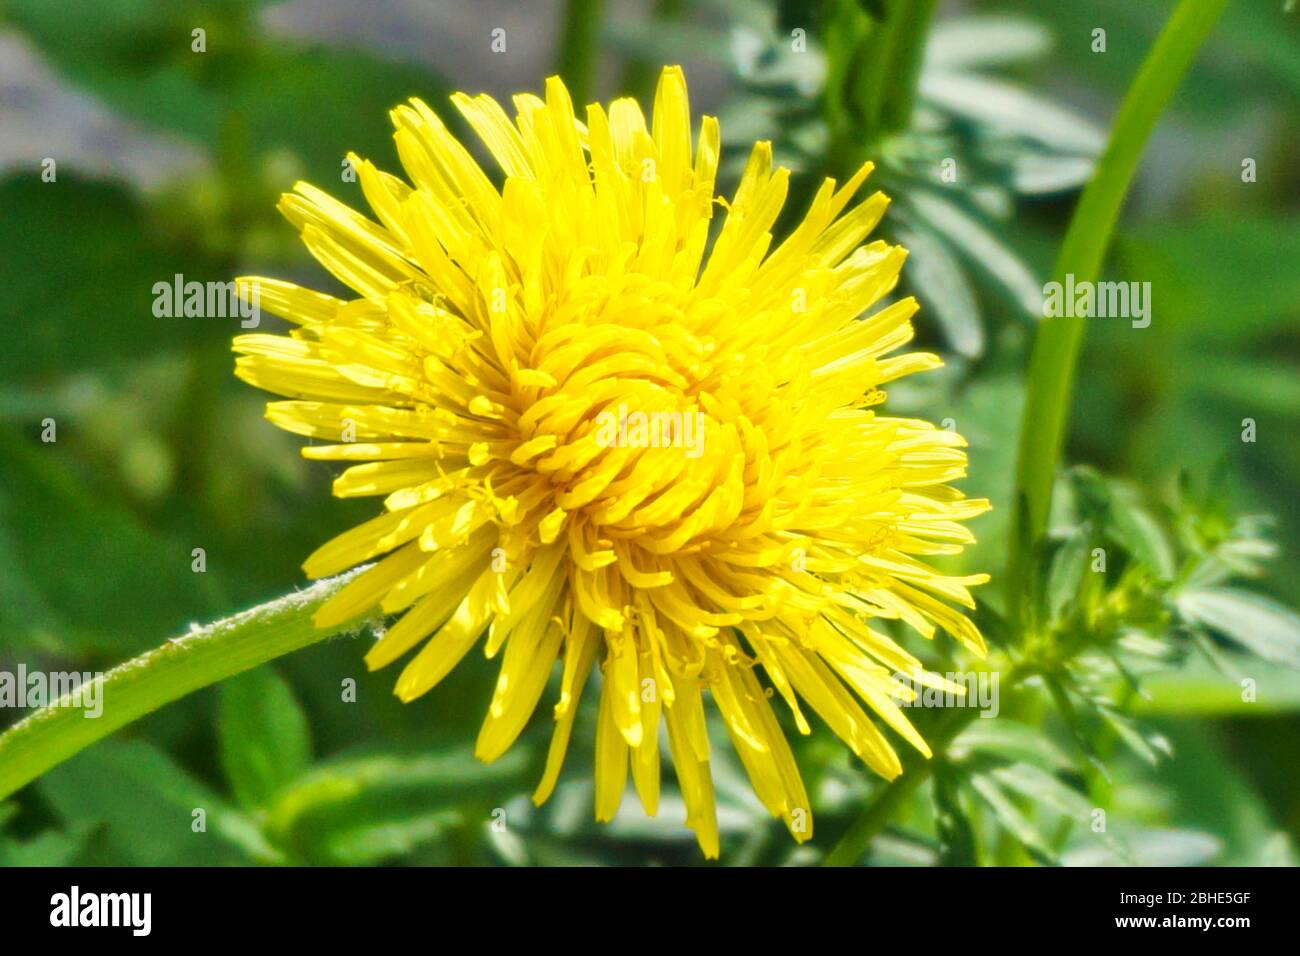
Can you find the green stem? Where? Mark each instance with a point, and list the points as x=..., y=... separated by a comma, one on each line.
x=1056, y=346
x=180, y=666
x=848, y=851
x=1052, y=366
x=888, y=65
x=578, y=48
x=908, y=51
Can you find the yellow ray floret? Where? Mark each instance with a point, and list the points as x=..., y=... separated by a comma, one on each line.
x=600, y=440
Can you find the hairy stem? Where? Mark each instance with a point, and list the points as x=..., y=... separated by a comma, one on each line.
x=180, y=666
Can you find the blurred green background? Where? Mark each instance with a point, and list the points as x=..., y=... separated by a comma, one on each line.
x=170, y=161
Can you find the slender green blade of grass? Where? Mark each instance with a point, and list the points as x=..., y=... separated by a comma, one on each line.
x=1056, y=347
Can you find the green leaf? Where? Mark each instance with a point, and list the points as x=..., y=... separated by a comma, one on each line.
x=985, y=40
x=1152, y=848
x=148, y=805
x=1255, y=622
x=1041, y=174
x=1146, y=743
x=363, y=810
x=1046, y=789
x=1199, y=690
x=1066, y=572
x=1127, y=521
x=1010, y=109
x=1012, y=819
x=47, y=848
x=263, y=734
x=940, y=284
x=953, y=826
x=1139, y=531
x=1006, y=739
x=982, y=248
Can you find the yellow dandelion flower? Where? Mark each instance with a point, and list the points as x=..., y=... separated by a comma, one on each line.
x=601, y=436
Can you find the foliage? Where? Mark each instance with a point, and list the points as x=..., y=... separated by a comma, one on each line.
x=1154, y=678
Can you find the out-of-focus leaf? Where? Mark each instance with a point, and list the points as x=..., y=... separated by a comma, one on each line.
x=984, y=250
x=48, y=848
x=1012, y=109
x=941, y=286
x=985, y=40
x=367, y=809
x=1005, y=739
x=1044, y=788
x=953, y=826
x=1152, y=848
x=1257, y=623
x=1012, y=819
x=1148, y=744
x=265, y=742
x=1198, y=690
x=1035, y=174
x=1066, y=571
x=148, y=805
x=1244, y=298
x=1140, y=532
x=1128, y=521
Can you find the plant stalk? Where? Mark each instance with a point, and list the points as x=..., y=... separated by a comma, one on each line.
x=1054, y=359
x=49, y=736
x=578, y=53
x=1055, y=355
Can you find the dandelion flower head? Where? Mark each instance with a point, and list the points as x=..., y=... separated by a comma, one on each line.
x=624, y=438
